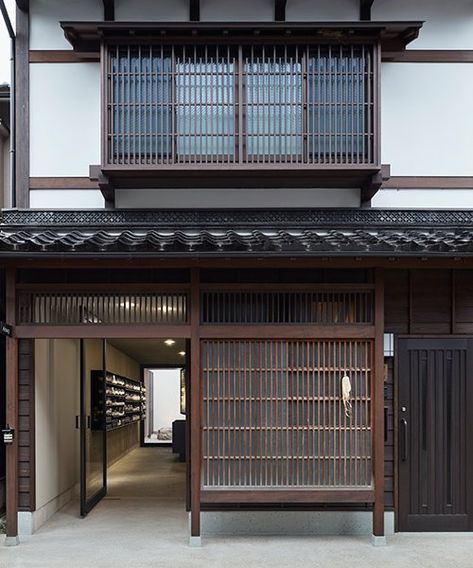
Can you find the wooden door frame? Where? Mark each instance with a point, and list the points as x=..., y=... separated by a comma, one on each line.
x=397, y=339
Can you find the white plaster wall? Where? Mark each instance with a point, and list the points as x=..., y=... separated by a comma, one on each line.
x=45, y=15
x=333, y=10
x=427, y=119
x=66, y=199
x=423, y=199
x=64, y=118
x=242, y=10
x=152, y=10
x=57, y=404
x=448, y=23
x=166, y=398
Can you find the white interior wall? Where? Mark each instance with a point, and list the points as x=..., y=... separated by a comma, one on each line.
x=64, y=119
x=448, y=23
x=57, y=404
x=166, y=401
x=427, y=119
x=45, y=15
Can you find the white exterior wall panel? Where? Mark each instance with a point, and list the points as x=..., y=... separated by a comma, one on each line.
x=427, y=118
x=152, y=10
x=448, y=23
x=45, y=15
x=65, y=119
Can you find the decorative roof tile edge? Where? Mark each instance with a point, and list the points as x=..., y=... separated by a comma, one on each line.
x=237, y=218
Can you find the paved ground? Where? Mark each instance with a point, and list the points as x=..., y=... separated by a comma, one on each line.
x=143, y=524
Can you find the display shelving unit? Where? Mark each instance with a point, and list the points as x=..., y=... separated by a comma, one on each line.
x=122, y=402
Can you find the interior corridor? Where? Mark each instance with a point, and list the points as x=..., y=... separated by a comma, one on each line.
x=150, y=473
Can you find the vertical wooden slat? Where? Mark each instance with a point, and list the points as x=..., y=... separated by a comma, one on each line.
x=195, y=404
x=378, y=407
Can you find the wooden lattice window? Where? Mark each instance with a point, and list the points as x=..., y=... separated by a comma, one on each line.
x=288, y=307
x=273, y=414
x=76, y=308
x=241, y=104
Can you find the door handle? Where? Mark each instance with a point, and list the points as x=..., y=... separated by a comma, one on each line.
x=88, y=421
x=403, y=439
x=77, y=422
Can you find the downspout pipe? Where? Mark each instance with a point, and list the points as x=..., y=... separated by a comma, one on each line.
x=11, y=33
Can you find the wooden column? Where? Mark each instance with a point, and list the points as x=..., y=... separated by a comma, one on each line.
x=11, y=413
x=378, y=409
x=195, y=407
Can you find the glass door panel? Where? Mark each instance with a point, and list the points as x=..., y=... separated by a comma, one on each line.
x=93, y=434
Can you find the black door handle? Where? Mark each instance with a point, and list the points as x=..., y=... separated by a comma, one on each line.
x=403, y=439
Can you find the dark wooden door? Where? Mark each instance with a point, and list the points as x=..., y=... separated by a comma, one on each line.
x=435, y=434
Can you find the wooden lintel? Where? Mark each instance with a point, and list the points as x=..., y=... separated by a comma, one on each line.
x=280, y=10
x=109, y=10
x=365, y=9
x=194, y=10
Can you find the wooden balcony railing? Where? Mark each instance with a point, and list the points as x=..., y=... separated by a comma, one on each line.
x=241, y=107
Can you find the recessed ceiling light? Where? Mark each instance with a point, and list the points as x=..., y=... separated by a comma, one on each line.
x=169, y=342
x=182, y=353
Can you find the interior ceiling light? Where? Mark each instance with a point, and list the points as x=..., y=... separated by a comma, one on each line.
x=182, y=353
x=169, y=342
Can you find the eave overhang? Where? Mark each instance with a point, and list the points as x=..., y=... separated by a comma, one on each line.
x=212, y=233
x=86, y=37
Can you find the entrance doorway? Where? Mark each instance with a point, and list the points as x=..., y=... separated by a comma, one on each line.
x=435, y=432
x=91, y=406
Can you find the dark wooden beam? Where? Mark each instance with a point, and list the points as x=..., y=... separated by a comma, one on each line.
x=109, y=10
x=280, y=10
x=11, y=413
x=22, y=110
x=23, y=5
x=365, y=9
x=194, y=10
x=195, y=409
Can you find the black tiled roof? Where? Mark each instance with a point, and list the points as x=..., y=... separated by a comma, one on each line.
x=310, y=232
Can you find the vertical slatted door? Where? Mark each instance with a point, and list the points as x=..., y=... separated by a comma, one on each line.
x=435, y=431
x=273, y=416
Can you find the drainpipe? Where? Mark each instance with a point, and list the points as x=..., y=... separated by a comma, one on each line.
x=11, y=33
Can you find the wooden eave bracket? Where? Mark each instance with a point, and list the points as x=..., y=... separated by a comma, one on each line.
x=86, y=37
x=194, y=10
x=372, y=184
x=109, y=10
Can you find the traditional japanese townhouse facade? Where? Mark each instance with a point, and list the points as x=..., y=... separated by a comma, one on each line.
x=286, y=186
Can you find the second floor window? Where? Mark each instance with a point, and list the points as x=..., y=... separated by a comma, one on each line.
x=261, y=104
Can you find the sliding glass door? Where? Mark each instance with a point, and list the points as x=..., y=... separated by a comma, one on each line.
x=93, y=434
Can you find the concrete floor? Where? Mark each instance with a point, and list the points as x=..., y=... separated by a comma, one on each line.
x=143, y=523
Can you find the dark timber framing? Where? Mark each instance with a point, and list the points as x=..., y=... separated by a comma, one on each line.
x=280, y=10
x=22, y=82
x=196, y=331
x=109, y=10
x=194, y=10
x=365, y=9
x=12, y=411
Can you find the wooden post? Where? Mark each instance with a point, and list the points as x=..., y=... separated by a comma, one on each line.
x=11, y=413
x=195, y=407
x=378, y=412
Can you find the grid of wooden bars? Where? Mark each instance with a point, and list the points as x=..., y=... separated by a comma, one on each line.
x=241, y=104
x=290, y=307
x=273, y=415
x=99, y=308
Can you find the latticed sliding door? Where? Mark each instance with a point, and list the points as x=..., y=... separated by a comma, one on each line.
x=274, y=415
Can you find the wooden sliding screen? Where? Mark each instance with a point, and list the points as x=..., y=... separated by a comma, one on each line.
x=273, y=414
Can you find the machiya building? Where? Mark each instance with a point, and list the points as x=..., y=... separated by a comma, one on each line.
x=238, y=245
